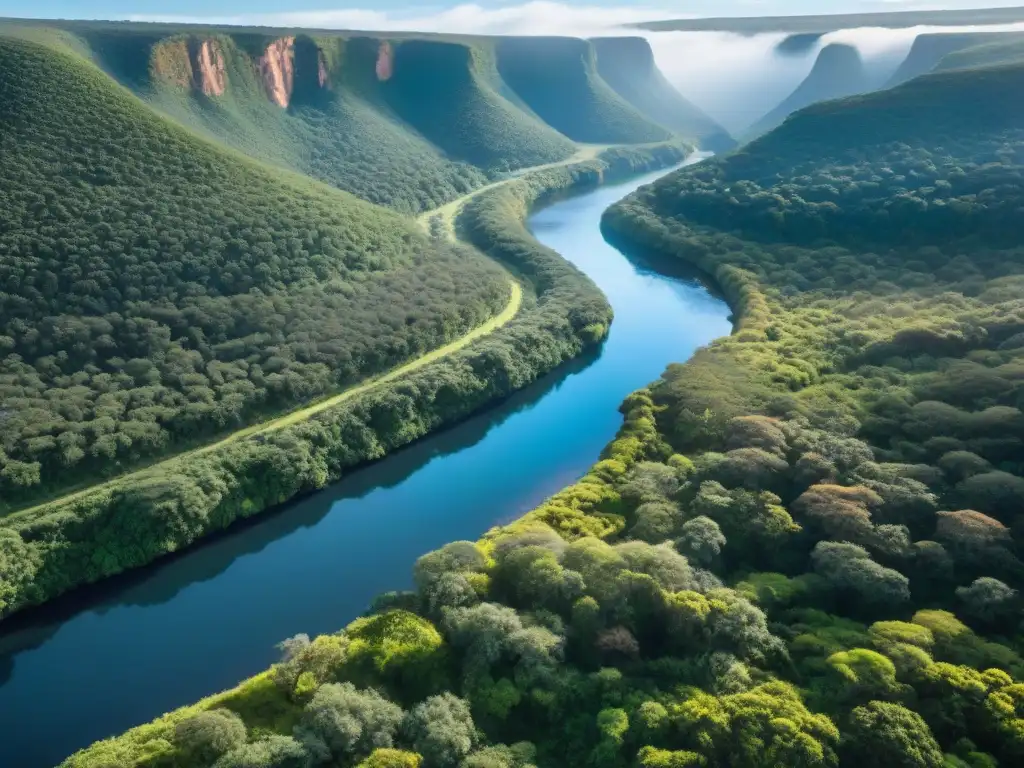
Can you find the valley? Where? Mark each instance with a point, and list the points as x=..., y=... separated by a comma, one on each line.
x=512, y=401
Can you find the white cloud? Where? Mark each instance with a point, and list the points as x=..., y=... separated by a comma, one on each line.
x=533, y=18
x=735, y=78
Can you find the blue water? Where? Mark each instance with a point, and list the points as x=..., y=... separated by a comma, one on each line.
x=108, y=658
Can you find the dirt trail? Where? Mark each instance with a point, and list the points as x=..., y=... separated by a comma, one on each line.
x=447, y=214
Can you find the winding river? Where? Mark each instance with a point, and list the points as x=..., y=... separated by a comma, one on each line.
x=111, y=657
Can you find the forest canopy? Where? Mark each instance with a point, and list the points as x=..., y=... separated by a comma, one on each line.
x=156, y=290
x=804, y=546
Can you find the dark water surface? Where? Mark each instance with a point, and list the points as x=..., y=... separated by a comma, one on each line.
x=107, y=658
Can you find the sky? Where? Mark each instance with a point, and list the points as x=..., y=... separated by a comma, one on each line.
x=478, y=16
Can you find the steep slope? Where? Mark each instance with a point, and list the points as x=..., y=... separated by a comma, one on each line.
x=292, y=100
x=627, y=65
x=557, y=78
x=1008, y=50
x=961, y=107
x=928, y=50
x=850, y=462
x=873, y=252
x=448, y=93
x=159, y=290
x=838, y=71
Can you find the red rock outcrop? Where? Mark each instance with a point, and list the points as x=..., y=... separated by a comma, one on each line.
x=385, y=62
x=209, y=71
x=277, y=68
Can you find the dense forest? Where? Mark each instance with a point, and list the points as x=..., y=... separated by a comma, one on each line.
x=164, y=296
x=126, y=523
x=160, y=295
x=627, y=64
x=838, y=71
x=802, y=549
x=557, y=79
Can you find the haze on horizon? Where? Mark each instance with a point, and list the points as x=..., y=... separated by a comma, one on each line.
x=736, y=79
x=483, y=16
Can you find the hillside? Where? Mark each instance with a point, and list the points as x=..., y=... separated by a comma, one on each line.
x=410, y=122
x=627, y=65
x=283, y=100
x=1007, y=50
x=449, y=92
x=804, y=546
x=873, y=393
x=158, y=290
x=557, y=79
x=928, y=50
x=838, y=71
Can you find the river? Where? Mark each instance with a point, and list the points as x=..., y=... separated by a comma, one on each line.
x=106, y=658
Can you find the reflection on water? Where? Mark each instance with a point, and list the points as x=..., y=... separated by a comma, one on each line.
x=107, y=658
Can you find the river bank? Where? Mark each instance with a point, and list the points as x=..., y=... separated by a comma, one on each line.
x=211, y=616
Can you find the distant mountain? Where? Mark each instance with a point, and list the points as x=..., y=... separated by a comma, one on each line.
x=755, y=25
x=838, y=71
x=798, y=44
x=557, y=78
x=627, y=64
x=1009, y=49
x=928, y=50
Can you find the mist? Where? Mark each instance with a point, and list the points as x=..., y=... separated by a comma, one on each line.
x=737, y=79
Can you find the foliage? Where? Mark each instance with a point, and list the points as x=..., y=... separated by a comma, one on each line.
x=890, y=734
x=128, y=523
x=557, y=79
x=160, y=297
x=348, y=722
x=451, y=94
x=627, y=64
x=763, y=569
x=208, y=735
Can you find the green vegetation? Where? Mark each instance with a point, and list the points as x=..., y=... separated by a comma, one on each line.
x=802, y=549
x=557, y=78
x=928, y=51
x=158, y=292
x=449, y=92
x=191, y=334
x=1004, y=50
x=126, y=523
x=627, y=65
x=870, y=392
x=332, y=129
x=804, y=546
x=838, y=71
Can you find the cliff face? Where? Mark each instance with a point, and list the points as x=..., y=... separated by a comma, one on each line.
x=191, y=63
x=627, y=64
x=385, y=66
x=989, y=54
x=928, y=50
x=838, y=72
x=557, y=78
x=210, y=72
x=450, y=93
x=277, y=68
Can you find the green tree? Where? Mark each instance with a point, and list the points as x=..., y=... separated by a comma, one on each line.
x=270, y=752
x=208, y=735
x=349, y=722
x=889, y=734
x=441, y=730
